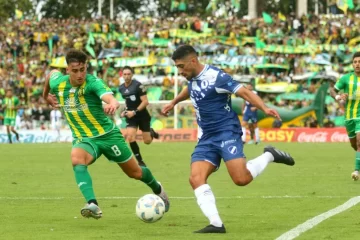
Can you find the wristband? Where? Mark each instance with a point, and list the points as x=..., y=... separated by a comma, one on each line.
x=337, y=97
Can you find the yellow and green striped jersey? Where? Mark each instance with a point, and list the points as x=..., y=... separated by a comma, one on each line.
x=10, y=103
x=82, y=105
x=349, y=84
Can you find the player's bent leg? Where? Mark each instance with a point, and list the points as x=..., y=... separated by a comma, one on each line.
x=147, y=138
x=353, y=143
x=200, y=171
x=133, y=170
x=239, y=172
x=131, y=138
x=82, y=155
x=145, y=127
x=257, y=132
x=16, y=133
x=8, y=133
x=355, y=174
x=252, y=132
x=131, y=133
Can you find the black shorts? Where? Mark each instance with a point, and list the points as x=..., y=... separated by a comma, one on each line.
x=141, y=122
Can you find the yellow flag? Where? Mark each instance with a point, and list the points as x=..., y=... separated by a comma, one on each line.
x=18, y=14
x=281, y=17
x=343, y=5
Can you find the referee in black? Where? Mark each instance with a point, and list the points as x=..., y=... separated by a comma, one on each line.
x=136, y=113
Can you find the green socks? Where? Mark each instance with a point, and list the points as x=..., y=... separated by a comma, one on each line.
x=9, y=137
x=149, y=180
x=357, y=161
x=84, y=182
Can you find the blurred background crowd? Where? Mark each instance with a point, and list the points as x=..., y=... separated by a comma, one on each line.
x=284, y=56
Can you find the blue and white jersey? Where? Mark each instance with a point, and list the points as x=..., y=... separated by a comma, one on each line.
x=248, y=106
x=210, y=93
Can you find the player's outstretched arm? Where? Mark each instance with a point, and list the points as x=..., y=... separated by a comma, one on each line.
x=111, y=104
x=256, y=101
x=183, y=95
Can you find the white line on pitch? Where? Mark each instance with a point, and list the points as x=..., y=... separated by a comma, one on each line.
x=127, y=197
x=309, y=224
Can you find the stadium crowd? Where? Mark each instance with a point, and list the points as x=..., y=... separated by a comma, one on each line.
x=28, y=49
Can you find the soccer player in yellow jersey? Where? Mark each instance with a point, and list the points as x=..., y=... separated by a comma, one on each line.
x=348, y=85
x=10, y=104
x=80, y=95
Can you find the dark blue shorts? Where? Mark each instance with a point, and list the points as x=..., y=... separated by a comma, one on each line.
x=250, y=117
x=221, y=146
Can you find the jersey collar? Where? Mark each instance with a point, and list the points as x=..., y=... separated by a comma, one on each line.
x=201, y=73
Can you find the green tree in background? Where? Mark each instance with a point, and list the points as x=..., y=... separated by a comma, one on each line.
x=7, y=8
x=87, y=8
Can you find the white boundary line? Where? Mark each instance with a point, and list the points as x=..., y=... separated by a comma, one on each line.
x=184, y=198
x=309, y=224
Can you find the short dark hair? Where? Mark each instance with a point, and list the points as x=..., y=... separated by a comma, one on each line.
x=74, y=55
x=183, y=51
x=357, y=54
x=128, y=68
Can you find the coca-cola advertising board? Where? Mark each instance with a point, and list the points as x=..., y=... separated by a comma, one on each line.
x=306, y=135
x=321, y=135
x=303, y=135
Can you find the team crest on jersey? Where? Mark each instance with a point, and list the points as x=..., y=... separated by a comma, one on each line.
x=73, y=105
x=81, y=92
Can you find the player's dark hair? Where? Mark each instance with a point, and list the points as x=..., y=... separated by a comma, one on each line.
x=62, y=70
x=75, y=56
x=183, y=51
x=128, y=68
x=357, y=54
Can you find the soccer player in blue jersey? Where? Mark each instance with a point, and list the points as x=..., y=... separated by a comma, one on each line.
x=250, y=120
x=219, y=132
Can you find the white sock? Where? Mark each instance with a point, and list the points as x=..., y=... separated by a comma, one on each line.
x=244, y=134
x=206, y=201
x=257, y=134
x=257, y=165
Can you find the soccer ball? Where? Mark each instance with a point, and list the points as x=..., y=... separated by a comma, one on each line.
x=150, y=208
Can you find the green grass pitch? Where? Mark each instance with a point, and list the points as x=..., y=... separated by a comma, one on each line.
x=40, y=200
